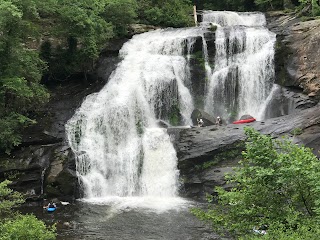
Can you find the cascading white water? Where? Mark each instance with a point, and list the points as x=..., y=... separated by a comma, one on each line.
x=243, y=75
x=120, y=150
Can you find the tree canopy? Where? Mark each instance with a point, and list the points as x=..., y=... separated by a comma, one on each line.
x=20, y=70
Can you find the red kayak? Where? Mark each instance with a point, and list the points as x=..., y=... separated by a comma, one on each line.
x=244, y=121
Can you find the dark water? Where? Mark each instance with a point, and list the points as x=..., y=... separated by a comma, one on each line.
x=88, y=221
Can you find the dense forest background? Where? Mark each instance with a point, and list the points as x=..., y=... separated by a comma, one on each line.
x=47, y=42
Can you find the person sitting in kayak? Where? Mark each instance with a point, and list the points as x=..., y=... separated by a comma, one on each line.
x=51, y=205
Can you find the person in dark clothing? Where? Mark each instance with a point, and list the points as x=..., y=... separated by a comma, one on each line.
x=51, y=205
x=218, y=121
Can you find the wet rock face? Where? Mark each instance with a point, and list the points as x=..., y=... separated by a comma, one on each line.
x=36, y=170
x=197, y=72
x=297, y=53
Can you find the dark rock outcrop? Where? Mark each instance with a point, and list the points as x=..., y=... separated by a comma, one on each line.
x=141, y=28
x=286, y=101
x=205, y=153
x=41, y=171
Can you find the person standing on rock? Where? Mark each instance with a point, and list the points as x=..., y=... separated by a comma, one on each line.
x=200, y=122
x=218, y=121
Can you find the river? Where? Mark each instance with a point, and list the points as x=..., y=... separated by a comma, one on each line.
x=83, y=220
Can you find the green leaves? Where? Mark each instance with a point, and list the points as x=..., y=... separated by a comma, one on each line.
x=20, y=69
x=10, y=128
x=8, y=199
x=169, y=13
x=277, y=184
x=16, y=226
x=26, y=227
x=121, y=14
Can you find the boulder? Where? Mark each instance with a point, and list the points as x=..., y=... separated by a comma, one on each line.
x=206, y=117
x=61, y=177
x=245, y=117
x=141, y=28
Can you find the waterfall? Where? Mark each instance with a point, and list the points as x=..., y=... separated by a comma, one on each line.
x=119, y=148
x=243, y=74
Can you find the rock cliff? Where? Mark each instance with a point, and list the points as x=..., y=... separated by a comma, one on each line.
x=298, y=50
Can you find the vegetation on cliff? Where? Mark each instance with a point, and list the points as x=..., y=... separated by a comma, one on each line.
x=14, y=225
x=276, y=188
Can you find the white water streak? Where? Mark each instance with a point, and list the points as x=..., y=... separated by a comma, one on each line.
x=243, y=74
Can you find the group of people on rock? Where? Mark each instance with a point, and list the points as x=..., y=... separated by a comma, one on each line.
x=201, y=123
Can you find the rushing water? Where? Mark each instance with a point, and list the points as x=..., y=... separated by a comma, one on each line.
x=119, y=148
x=123, y=157
x=243, y=73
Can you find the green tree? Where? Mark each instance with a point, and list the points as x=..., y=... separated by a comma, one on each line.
x=20, y=70
x=277, y=185
x=82, y=30
x=121, y=14
x=26, y=227
x=168, y=13
x=8, y=199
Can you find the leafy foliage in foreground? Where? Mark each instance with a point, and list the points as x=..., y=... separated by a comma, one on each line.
x=8, y=199
x=26, y=227
x=277, y=186
x=14, y=226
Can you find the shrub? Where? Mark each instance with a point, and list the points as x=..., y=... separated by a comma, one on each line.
x=277, y=185
x=26, y=227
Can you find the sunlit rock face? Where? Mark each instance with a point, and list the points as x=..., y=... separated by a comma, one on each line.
x=297, y=54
